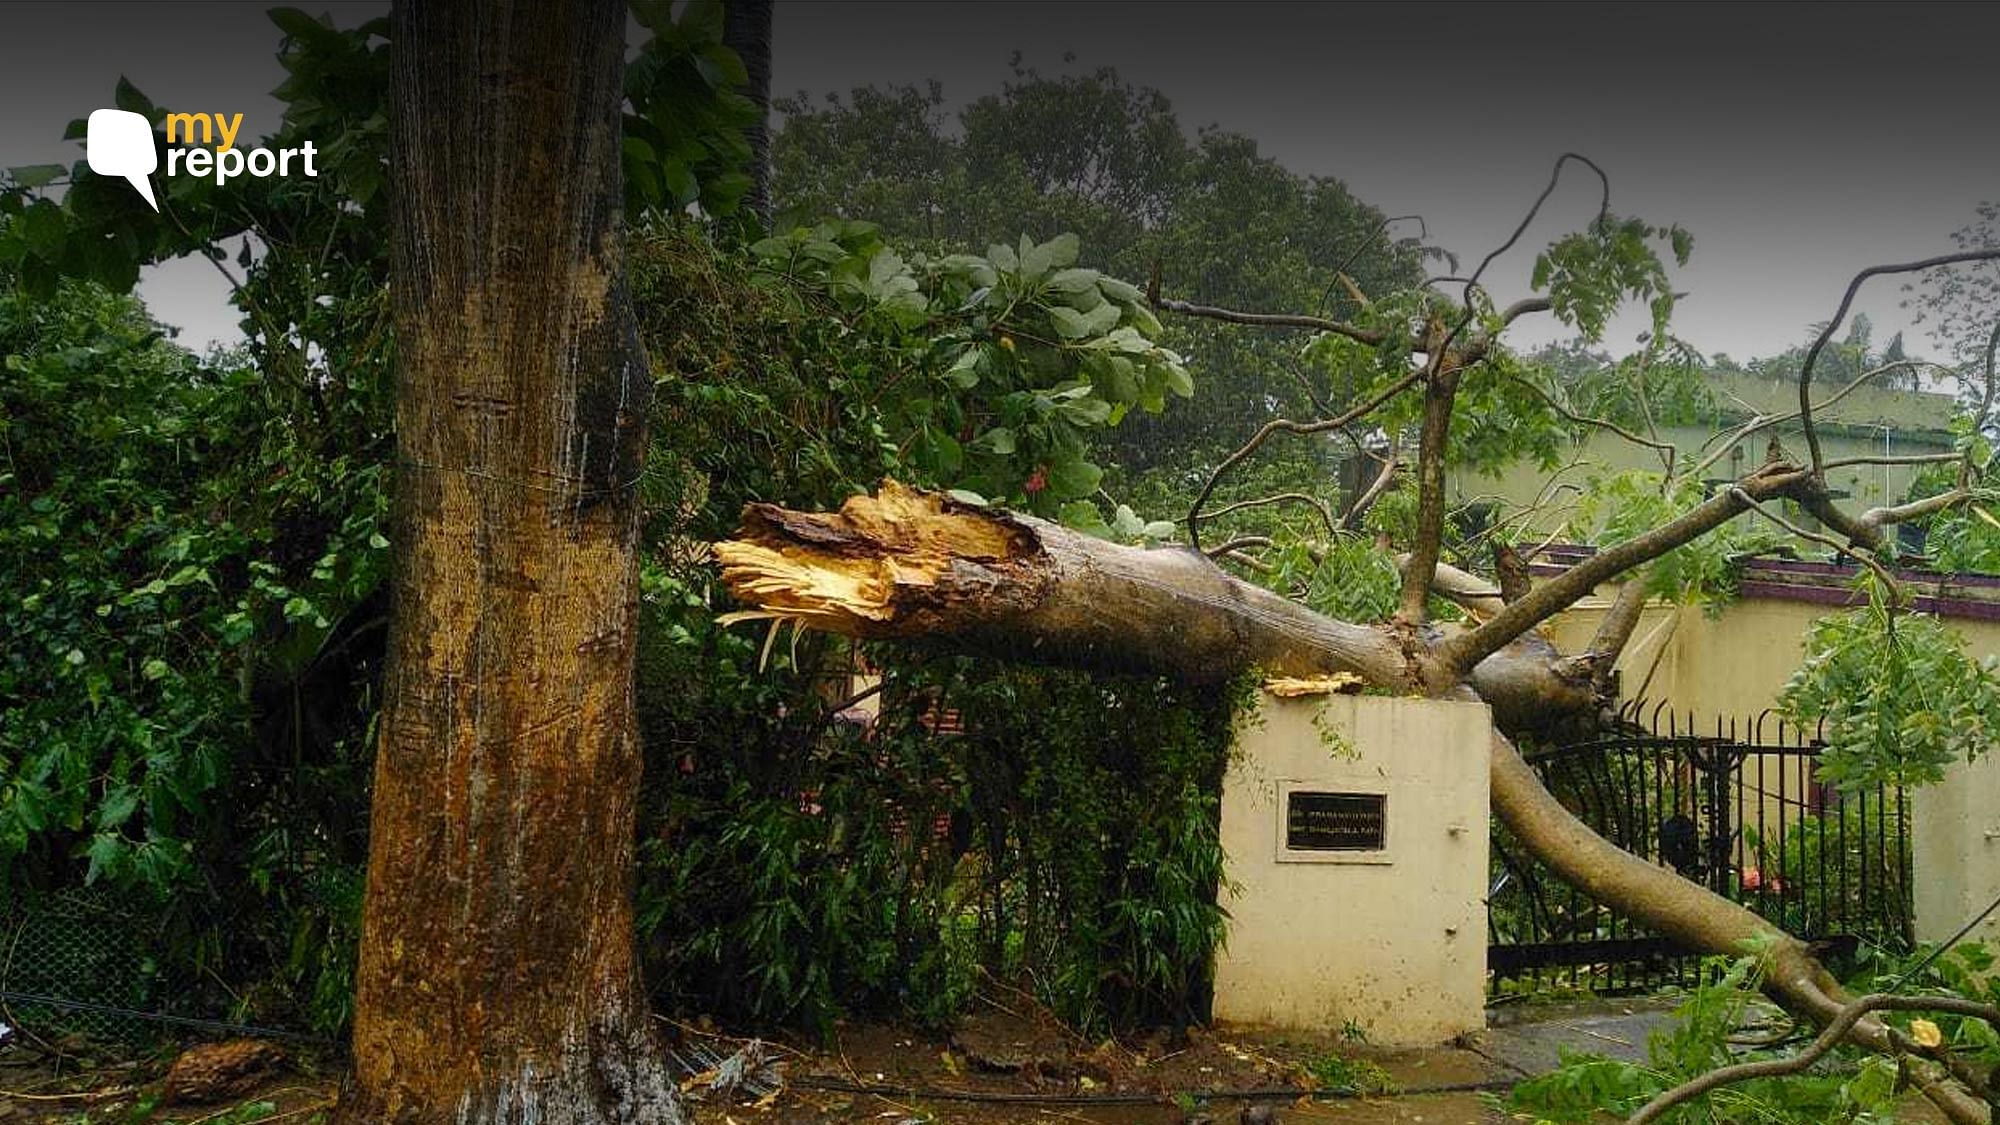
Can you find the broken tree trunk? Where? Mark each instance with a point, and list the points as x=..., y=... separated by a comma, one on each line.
x=913, y=565
x=919, y=565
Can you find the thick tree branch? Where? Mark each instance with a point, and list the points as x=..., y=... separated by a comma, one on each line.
x=914, y=564
x=1903, y=459
x=911, y=565
x=1557, y=594
x=1615, y=631
x=1440, y=391
x=1698, y=918
x=1468, y=591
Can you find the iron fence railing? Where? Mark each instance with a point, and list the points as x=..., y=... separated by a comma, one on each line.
x=1736, y=806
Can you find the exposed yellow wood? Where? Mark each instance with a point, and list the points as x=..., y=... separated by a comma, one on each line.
x=1339, y=683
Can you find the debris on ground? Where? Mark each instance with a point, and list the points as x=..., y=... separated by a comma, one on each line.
x=217, y=1072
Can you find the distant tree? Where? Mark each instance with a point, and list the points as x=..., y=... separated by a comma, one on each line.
x=1958, y=304
x=1098, y=156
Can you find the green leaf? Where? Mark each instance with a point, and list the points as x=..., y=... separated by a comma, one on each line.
x=1127, y=523
x=999, y=441
x=964, y=372
x=36, y=175
x=127, y=97
x=1038, y=261
x=117, y=808
x=103, y=852
x=1074, y=281
x=1101, y=319
x=1072, y=477
x=1070, y=324
x=1083, y=515
x=295, y=23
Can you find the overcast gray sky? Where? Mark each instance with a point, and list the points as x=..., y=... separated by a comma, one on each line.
x=1798, y=143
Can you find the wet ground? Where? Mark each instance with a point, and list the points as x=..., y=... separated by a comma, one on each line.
x=1006, y=1066
x=1002, y=1065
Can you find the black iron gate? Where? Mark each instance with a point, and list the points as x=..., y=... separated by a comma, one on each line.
x=1738, y=809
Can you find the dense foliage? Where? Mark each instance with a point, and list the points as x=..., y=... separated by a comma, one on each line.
x=897, y=870
x=207, y=605
x=1898, y=695
x=1093, y=154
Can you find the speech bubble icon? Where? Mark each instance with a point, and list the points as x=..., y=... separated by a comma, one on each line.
x=120, y=143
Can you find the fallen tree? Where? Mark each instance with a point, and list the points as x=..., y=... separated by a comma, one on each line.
x=911, y=564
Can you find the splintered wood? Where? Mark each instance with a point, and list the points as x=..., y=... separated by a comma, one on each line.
x=1339, y=683
x=841, y=571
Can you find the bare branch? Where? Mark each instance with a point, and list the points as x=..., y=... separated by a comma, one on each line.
x=1286, y=425
x=1840, y=314
x=1522, y=308
x=1600, y=423
x=1383, y=479
x=1763, y=422
x=1555, y=177
x=1887, y=576
x=1461, y=652
x=1903, y=459
x=1915, y=509
x=1279, y=498
x=1986, y=399
x=1240, y=542
x=1254, y=563
x=1270, y=320
x=1829, y=1037
x=1374, y=237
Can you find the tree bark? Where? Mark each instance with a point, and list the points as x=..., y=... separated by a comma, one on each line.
x=498, y=977
x=746, y=29
x=918, y=565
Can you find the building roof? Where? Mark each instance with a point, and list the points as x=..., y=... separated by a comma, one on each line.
x=1739, y=395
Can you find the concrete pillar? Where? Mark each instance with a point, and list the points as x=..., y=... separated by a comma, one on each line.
x=1356, y=834
x=1955, y=851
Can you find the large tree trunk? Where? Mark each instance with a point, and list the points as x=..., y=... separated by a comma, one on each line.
x=914, y=564
x=498, y=978
x=918, y=565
